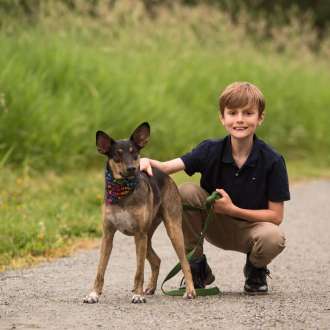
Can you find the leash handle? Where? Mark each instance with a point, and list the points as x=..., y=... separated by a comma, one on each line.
x=200, y=292
x=211, y=199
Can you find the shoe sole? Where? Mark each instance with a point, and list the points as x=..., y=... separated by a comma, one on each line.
x=255, y=293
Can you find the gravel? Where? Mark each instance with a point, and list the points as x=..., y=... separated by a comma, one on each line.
x=49, y=296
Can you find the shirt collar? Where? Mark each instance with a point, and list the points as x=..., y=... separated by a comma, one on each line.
x=227, y=156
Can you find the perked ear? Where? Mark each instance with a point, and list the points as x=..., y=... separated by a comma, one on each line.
x=103, y=142
x=141, y=135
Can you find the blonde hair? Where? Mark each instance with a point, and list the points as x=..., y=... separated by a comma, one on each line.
x=241, y=94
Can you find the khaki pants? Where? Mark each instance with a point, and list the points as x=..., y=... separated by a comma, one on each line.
x=263, y=240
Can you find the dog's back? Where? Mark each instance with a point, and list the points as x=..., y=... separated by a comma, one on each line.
x=161, y=186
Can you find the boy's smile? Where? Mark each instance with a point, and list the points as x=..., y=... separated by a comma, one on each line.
x=241, y=123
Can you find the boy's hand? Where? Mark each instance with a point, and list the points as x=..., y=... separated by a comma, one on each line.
x=145, y=166
x=223, y=205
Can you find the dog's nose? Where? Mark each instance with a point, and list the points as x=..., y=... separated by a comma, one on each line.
x=131, y=169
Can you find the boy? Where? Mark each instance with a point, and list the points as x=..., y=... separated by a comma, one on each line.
x=252, y=180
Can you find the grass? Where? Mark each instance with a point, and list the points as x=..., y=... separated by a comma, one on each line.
x=59, y=85
x=40, y=215
x=48, y=216
x=68, y=76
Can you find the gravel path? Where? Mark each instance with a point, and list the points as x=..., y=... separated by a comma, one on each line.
x=49, y=296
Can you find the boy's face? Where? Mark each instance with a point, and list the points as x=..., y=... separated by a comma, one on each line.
x=241, y=123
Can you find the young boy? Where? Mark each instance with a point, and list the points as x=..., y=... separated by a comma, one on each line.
x=252, y=180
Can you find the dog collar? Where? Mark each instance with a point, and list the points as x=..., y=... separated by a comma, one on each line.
x=117, y=189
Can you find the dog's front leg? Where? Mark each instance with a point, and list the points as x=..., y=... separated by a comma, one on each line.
x=106, y=248
x=141, y=242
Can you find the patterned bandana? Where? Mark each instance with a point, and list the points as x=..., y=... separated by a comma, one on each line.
x=117, y=189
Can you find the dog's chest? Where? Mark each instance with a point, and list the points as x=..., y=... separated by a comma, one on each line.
x=122, y=220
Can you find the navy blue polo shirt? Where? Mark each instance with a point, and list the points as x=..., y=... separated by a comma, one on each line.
x=262, y=178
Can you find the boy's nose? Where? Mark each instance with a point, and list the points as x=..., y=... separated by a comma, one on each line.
x=239, y=117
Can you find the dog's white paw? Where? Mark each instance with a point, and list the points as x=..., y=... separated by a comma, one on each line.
x=138, y=299
x=92, y=298
x=189, y=295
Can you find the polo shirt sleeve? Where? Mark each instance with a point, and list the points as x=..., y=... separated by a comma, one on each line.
x=195, y=160
x=278, y=183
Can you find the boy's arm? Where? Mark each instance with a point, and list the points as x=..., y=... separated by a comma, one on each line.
x=273, y=214
x=169, y=167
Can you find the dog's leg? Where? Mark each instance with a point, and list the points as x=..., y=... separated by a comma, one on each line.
x=174, y=231
x=141, y=242
x=106, y=247
x=154, y=261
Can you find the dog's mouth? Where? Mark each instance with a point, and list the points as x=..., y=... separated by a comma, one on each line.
x=128, y=175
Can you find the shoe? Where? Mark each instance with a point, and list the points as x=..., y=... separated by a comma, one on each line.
x=201, y=272
x=255, y=279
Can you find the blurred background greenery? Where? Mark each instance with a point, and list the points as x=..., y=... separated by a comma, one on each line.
x=71, y=67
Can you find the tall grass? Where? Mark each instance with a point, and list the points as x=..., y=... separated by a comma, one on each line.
x=58, y=85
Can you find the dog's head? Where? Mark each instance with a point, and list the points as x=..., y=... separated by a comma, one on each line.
x=123, y=155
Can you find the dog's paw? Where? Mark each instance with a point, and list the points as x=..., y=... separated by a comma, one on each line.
x=190, y=295
x=149, y=291
x=138, y=299
x=92, y=298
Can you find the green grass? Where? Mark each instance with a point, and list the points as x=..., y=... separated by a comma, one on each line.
x=58, y=86
x=41, y=216
x=64, y=78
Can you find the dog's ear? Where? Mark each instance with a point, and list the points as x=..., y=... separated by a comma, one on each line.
x=141, y=135
x=103, y=142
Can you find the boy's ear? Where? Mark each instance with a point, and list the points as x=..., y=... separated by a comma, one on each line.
x=103, y=142
x=141, y=135
x=261, y=118
x=221, y=118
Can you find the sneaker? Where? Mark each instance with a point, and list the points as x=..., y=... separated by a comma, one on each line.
x=201, y=272
x=255, y=279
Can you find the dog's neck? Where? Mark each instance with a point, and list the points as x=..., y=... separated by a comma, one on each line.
x=117, y=189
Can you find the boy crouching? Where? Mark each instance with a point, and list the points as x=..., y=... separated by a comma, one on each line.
x=252, y=180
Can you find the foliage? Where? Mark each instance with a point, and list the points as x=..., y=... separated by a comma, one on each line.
x=60, y=83
x=274, y=12
x=67, y=73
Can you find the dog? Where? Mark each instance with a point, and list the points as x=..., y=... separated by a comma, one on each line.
x=135, y=204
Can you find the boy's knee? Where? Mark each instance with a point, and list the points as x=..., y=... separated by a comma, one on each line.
x=270, y=242
x=192, y=194
x=272, y=237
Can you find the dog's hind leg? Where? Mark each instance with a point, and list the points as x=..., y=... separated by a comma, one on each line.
x=106, y=247
x=171, y=211
x=141, y=243
x=175, y=234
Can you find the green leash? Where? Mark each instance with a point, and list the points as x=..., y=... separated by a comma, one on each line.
x=200, y=292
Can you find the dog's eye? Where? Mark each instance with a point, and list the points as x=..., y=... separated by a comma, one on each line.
x=119, y=152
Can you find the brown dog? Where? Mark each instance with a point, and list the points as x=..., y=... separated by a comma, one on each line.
x=135, y=204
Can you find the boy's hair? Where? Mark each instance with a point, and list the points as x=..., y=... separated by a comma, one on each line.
x=241, y=94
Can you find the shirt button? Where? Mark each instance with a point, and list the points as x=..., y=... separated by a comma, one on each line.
x=236, y=174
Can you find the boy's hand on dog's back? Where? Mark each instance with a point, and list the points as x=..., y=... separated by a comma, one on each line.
x=145, y=166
